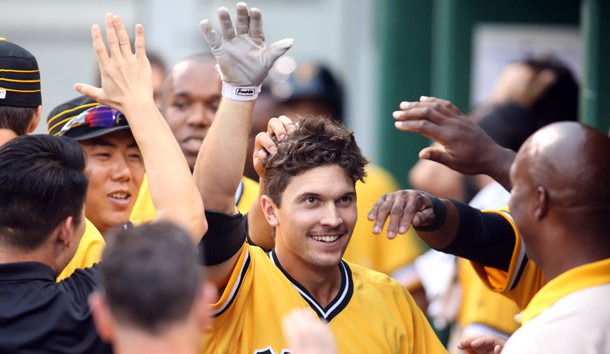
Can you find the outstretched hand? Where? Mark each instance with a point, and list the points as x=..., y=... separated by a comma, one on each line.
x=241, y=54
x=463, y=145
x=126, y=76
x=404, y=208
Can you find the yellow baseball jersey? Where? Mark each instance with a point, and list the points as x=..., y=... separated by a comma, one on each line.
x=144, y=209
x=377, y=252
x=523, y=279
x=372, y=313
x=481, y=306
x=89, y=251
x=247, y=317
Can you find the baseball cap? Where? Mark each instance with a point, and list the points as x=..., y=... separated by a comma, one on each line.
x=307, y=79
x=19, y=76
x=82, y=118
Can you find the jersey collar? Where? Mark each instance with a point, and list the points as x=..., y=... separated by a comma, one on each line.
x=343, y=297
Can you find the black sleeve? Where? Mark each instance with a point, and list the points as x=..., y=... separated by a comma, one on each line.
x=486, y=238
x=226, y=235
x=81, y=283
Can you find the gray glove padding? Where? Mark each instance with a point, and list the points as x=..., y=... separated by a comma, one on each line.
x=242, y=57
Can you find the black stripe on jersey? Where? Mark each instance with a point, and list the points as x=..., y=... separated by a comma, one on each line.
x=335, y=307
x=236, y=286
x=519, y=273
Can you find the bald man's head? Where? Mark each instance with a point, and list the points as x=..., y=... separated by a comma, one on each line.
x=561, y=189
x=189, y=99
x=572, y=161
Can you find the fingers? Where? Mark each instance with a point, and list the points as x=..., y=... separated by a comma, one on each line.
x=256, y=27
x=140, y=44
x=242, y=26
x=396, y=207
x=447, y=104
x=98, y=46
x=209, y=34
x=276, y=50
x=264, y=143
x=280, y=127
x=89, y=91
x=111, y=36
x=123, y=37
x=226, y=25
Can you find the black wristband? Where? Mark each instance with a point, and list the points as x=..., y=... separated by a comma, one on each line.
x=440, y=214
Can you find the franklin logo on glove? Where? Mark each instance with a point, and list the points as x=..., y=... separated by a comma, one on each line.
x=241, y=91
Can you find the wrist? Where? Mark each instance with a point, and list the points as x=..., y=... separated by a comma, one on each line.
x=240, y=93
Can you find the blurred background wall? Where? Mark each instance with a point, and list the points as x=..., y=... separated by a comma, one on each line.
x=383, y=51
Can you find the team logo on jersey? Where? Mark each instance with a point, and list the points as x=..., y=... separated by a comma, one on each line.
x=270, y=350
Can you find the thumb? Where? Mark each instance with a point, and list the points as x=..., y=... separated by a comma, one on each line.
x=277, y=49
x=89, y=91
x=434, y=153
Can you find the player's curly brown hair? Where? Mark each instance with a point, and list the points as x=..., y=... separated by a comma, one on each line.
x=316, y=142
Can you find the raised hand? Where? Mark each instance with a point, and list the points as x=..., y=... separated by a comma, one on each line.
x=126, y=76
x=242, y=56
x=464, y=146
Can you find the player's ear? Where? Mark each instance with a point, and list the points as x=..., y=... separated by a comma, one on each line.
x=269, y=208
x=102, y=318
x=542, y=202
x=65, y=231
x=35, y=119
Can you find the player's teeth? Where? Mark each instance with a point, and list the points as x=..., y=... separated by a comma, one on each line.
x=119, y=195
x=326, y=238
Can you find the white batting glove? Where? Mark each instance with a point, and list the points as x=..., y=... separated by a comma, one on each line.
x=242, y=58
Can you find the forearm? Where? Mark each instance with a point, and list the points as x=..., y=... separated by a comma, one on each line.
x=171, y=184
x=500, y=159
x=220, y=163
x=486, y=238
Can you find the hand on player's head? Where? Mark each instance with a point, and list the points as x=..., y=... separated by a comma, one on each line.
x=265, y=142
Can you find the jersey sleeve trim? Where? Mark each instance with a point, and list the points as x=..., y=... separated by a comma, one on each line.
x=235, y=281
x=502, y=280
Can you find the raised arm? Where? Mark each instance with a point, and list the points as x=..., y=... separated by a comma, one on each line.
x=127, y=86
x=464, y=146
x=243, y=61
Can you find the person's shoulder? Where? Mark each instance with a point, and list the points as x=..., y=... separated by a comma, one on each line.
x=370, y=277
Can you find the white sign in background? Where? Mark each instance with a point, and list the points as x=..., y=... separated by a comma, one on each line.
x=495, y=46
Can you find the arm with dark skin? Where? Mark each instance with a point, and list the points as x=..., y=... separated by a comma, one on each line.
x=448, y=226
x=463, y=146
